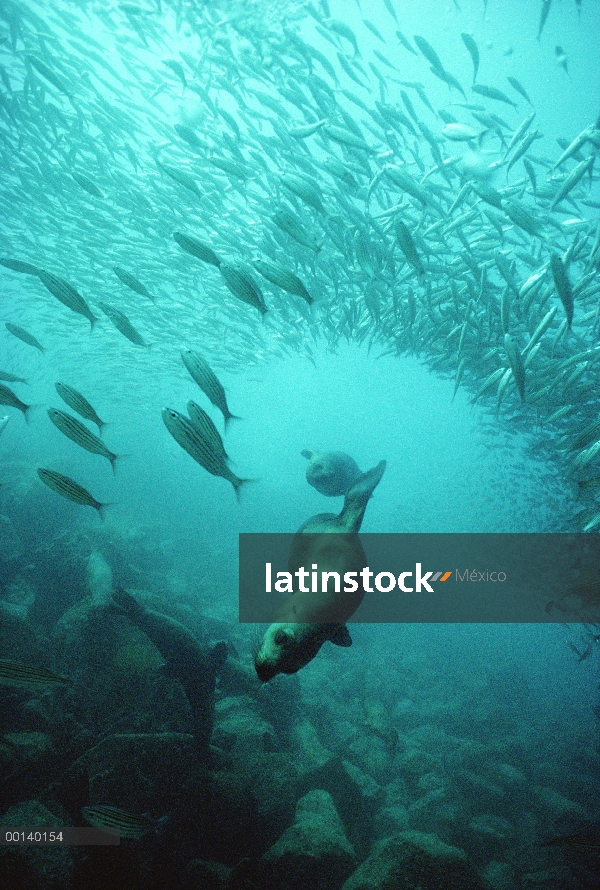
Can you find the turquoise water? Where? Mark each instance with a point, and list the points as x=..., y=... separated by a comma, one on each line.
x=86, y=92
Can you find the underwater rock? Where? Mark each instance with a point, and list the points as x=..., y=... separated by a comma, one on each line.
x=238, y=716
x=427, y=803
x=42, y=868
x=331, y=472
x=140, y=772
x=11, y=546
x=472, y=784
x=556, y=806
x=309, y=752
x=374, y=756
x=202, y=875
x=414, y=761
x=313, y=853
x=500, y=876
x=237, y=678
x=558, y=878
x=84, y=639
x=508, y=776
x=18, y=638
x=390, y=821
x=491, y=835
x=414, y=859
x=19, y=597
x=98, y=578
x=357, y=798
x=246, y=808
x=29, y=761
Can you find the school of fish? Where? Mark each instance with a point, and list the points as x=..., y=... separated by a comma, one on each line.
x=252, y=181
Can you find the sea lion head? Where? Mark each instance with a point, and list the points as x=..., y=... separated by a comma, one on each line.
x=285, y=648
x=332, y=473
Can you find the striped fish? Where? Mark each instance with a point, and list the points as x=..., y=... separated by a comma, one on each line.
x=288, y=222
x=8, y=397
x=11, y=378
x=562, y=285
x=206, y=427
x=19, y=266
x=304, y=188
x=197, y=248
x=79, y=403
x=66, y=294
x=69, y=489
x=279, y=275
x=515, y=361
x=25, y=676
x=243, y=286
x=117, y=820
x=197, y=446
x=132, y=283
x=208, y=382
x=23, y=335
x=87, y=185
x=76, y=431
x=122, y=324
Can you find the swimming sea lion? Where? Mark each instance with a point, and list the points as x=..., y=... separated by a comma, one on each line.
x=307, y=619
x=186, y=660
x=331, y=472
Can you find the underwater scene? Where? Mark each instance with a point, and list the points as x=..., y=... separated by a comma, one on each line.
x=273, y=266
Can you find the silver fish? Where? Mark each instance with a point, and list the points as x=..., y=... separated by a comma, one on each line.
x=79, y=403
x=199, y=447
x=67, y=488
x=207, y=380
x=77, y=431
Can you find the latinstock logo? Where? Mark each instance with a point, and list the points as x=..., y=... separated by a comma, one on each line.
x=422, y=581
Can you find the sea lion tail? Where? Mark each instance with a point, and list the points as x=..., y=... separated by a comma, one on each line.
x=357, y=497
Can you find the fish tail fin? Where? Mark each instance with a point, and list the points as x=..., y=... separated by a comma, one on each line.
x=227, y=417
x=101, y=426
x=93, y=320
x=101, y=508
x=238, y=483
x=27, y=411
x=113, y=461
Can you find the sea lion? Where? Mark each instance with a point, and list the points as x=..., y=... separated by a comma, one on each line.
x=3, y=422
x=307, y=619
x=186, y=660
x=331, y=472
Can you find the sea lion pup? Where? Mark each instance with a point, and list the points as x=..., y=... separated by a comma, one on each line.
x=332, y=473
x=307, y=619
x=186, y=660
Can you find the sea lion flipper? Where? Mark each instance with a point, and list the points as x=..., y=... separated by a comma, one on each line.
x=218, y=655
x=357, y=498
x=339, y=634
x=126, y=602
